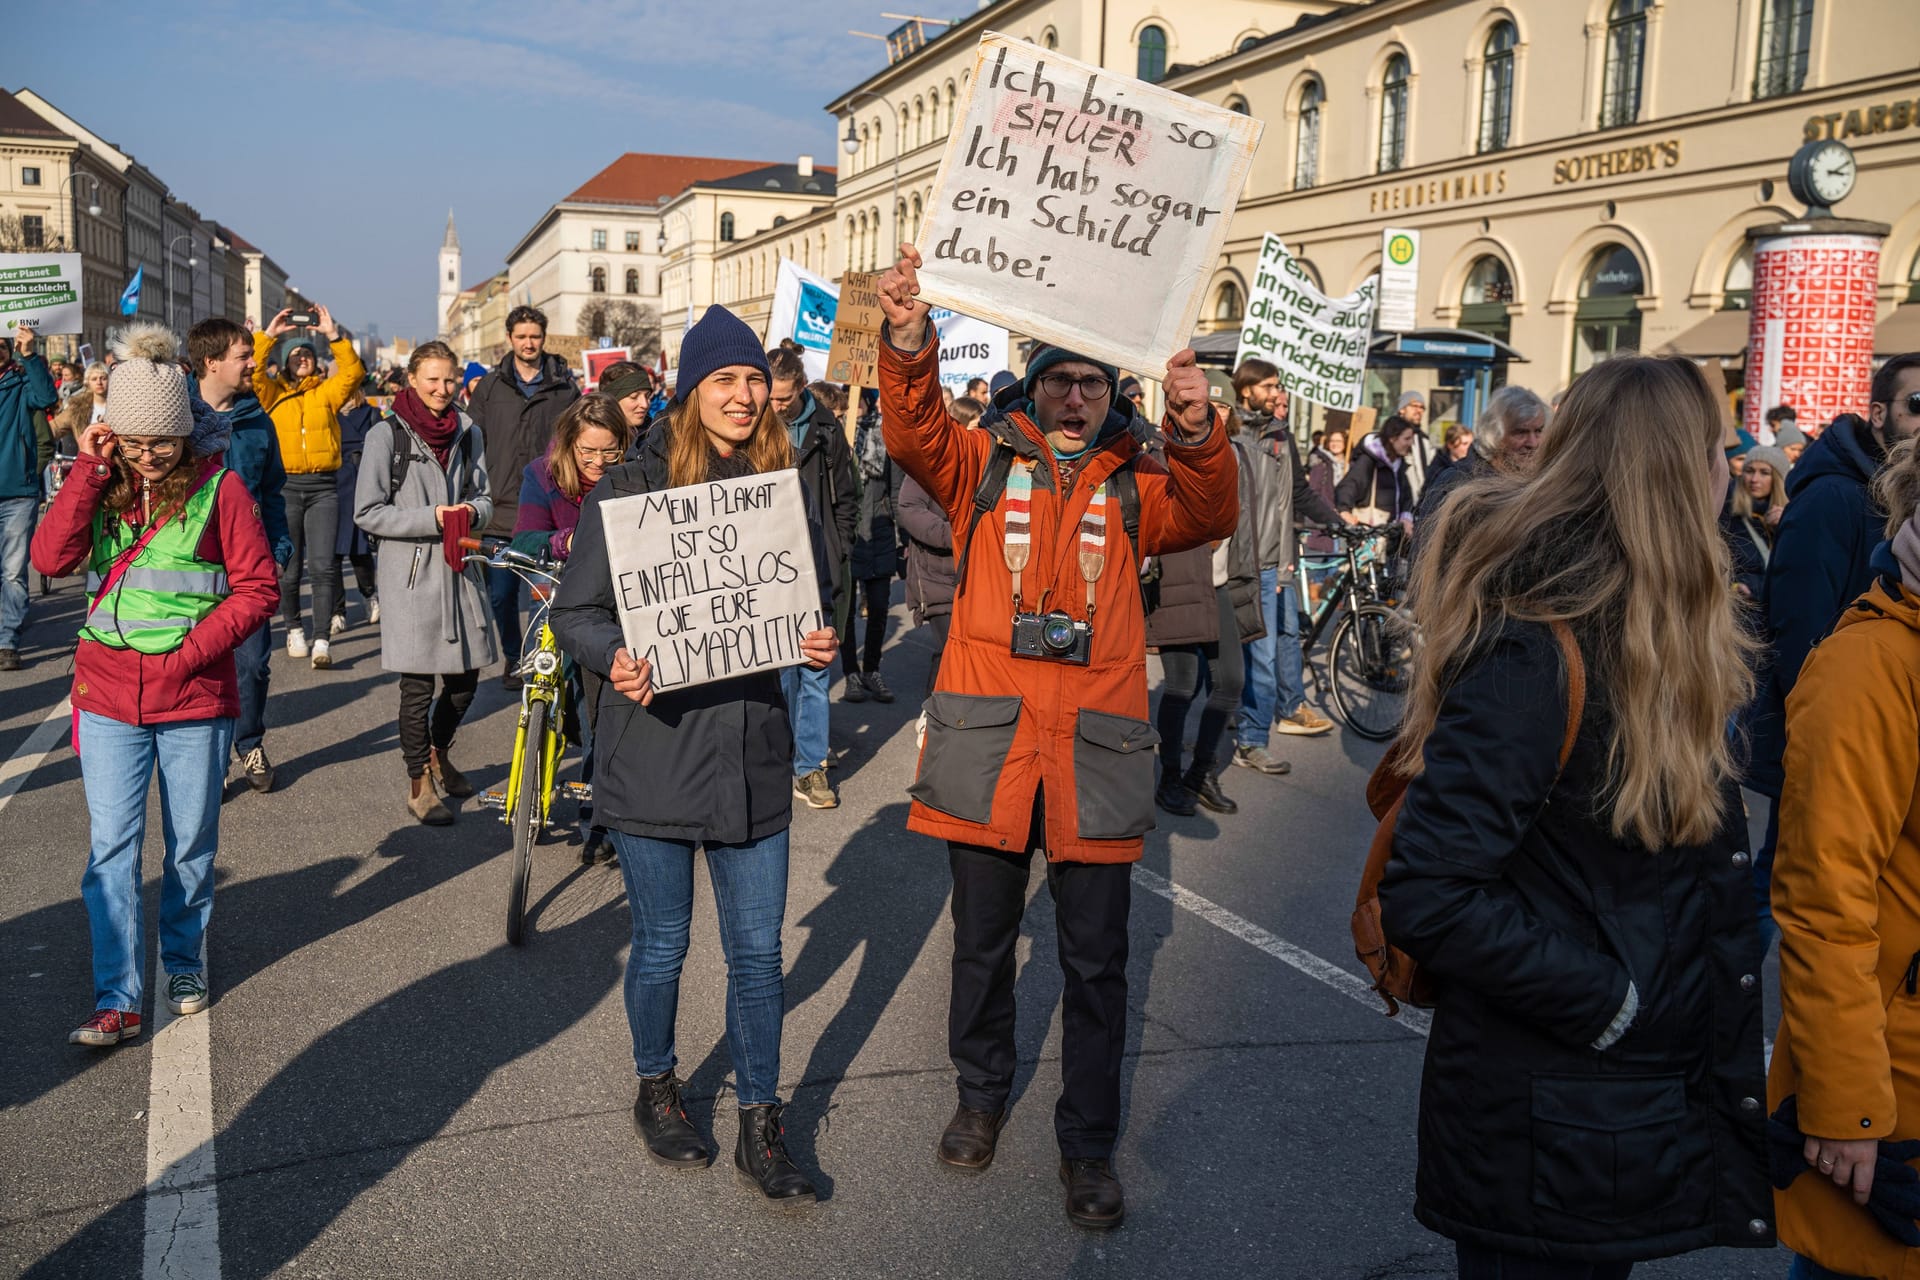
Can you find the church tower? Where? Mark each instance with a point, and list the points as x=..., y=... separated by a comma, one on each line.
x=449, y=275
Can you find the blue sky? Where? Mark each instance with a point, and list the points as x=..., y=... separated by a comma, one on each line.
x=336, y=135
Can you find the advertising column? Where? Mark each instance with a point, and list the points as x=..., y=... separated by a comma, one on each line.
x=1810, y=341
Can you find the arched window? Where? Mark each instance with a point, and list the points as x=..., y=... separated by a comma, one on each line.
x=1736, y=288
x=1229, y=307
x=951, y=96
x=916, y=215
x=598, y=279
x=1496, y=88
x=1626, y=59
x=726, y=226
x=873, y=241
x=1049, y=39
x=933, y=112
x=1393, y=115
x=1786, y=34
x=1238, y=103
x=1607, y=319
x=1484, y=298
x=860, y=156
x=1246, y=43
x=633, y=280
x=919, y=121
x=1152, y=63
x=900, y=139
x=1306, y=141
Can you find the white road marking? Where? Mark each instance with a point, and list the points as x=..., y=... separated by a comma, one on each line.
x=1346, y=983
x=34, y=751
x=183, y=1208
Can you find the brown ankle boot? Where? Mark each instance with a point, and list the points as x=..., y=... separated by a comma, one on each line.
x=423, y=802
x=446, y=777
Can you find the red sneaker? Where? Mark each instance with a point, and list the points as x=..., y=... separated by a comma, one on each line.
x=105, y=1027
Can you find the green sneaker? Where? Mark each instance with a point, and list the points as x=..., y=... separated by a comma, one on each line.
x=186, y=992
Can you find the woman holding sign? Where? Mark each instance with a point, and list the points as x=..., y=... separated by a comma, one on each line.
x=697, y=766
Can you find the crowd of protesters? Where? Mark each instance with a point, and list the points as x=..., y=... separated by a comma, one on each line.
x=1615, y=639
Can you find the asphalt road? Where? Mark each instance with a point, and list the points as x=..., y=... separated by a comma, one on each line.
x=396, y=1092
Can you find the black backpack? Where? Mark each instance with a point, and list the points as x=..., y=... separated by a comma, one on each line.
x=993, y=482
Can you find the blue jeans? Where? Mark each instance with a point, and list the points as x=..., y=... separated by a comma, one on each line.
x=503, y=594
x=806, y=691
x=116, y=762
x=17, y=518
x=1276, y=676
x=250, y=661
x=750, y=894
x=1805, y=1268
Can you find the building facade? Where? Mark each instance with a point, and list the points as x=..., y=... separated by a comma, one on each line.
x=475, y=323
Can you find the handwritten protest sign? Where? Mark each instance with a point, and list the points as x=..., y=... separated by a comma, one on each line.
x=41, y=291
x=1082, y=207
x=714, y=580
x=854, y=357
x=1320, y=343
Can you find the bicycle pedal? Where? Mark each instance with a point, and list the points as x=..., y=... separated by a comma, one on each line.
x=581, y=791
x=493, y=799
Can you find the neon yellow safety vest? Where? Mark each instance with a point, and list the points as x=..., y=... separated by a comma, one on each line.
x=166, y=590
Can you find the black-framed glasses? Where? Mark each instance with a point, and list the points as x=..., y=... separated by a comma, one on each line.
x=158, y=449
x=1092, y=386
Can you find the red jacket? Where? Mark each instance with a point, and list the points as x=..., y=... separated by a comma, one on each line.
x=196, y=681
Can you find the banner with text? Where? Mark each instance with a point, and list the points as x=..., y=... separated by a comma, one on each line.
x=969, y=348
x=1320, y=343
x=714, y=580
x=802, y=309
x=854, y=357
x=41, y=291
x=1084, y=208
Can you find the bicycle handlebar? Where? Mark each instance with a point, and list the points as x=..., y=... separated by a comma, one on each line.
x=501, y=550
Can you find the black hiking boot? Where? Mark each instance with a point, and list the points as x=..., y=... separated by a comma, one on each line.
x=662, y=1121
x=761, y=1161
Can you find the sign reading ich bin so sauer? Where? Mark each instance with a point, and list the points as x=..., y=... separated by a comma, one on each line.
x=1084, y=208
x=714, y=580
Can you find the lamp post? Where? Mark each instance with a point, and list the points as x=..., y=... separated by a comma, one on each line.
x=93, y=208
x=851, y=145
x=192, y=262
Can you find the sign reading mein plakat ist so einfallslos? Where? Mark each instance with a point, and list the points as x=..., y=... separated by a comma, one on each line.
x=1081, y=207
x=714, y=580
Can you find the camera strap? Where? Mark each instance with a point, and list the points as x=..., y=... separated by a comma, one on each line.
x=1018, y=543
x=1093, y=542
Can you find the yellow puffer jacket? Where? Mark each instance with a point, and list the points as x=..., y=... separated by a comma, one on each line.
x=1846, y=895
x=306, y=416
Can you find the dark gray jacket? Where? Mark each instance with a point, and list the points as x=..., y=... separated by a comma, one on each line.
x=930, y=567
x=518, y=427
x=1280, y=489
x=712, y=763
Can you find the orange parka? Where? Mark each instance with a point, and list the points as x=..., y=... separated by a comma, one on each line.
x=1846, y=895
x=1000, y=728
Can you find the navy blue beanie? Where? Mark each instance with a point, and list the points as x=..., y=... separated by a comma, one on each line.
x=719, y=339
x=1046, y=357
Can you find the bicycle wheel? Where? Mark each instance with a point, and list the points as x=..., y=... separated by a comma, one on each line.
x=526, y=820
x=1371, y=661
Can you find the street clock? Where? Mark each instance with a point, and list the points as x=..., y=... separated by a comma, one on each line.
x=1821, y=175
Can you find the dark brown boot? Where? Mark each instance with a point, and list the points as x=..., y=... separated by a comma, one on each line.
x=423, y=802
x=1094, y=1198
x=970, y=1138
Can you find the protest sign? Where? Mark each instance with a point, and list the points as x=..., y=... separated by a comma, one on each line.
x=802, y=309
x=598, y=358
x=1399, y=279
x=1320, y=343
x=714, y=580
x=969, y=348
x=41, y=291
x=1082, y=207
x=854, y=357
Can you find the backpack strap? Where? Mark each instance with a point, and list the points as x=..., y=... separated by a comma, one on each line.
x=993, y=482
x=402, y=459
x=1126, y=489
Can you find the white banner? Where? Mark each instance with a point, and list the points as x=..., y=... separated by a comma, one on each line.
x=1081, y=207
x=1320, y=343
x=802, y=309
x=1399, y=279
x=969, y=349
x=714, y=580
x=41, y=291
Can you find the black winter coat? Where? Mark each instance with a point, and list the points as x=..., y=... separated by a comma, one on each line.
x=876, y=541
x=1506, y=886
x=1371, y=483
x=826, y=468
x=518, y=428
x=1186, y=610
x=712, y=763
x=352, y=540
x=930, y=569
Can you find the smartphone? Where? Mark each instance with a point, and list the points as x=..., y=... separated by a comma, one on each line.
x=302, y=319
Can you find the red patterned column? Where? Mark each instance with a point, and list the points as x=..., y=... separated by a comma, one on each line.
x=1810, y=341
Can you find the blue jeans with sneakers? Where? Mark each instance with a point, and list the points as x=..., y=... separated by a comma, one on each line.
x=1276, y=684
x=117, y=760
x=806, y=690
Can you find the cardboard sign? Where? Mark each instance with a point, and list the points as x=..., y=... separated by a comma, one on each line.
x=1399, y=279
x=854, y=356
x=41, y=291
x=714, y=580
x=1320, y=343
x=1081, y=207
x=597, y=359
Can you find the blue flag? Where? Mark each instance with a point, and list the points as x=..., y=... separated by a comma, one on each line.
x=130, y=300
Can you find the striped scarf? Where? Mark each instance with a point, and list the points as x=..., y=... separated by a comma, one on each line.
x=1019, y=532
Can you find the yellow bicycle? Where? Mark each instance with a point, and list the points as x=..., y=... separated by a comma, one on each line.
x=526, y=803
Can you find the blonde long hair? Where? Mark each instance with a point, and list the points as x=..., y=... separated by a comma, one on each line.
x=1742, y=504
x=689, y=447
x=1615, y=532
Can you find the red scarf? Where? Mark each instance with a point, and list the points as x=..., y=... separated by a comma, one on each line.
x=436, y=433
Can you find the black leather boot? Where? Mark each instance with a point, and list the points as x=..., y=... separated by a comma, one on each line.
x=760, y=1158
x=1174, y=798
x=969, y=1139
x=1206, y=789
x=662, y=1121
x=1094, y=1198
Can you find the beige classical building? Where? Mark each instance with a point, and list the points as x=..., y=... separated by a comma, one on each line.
x=1583, y=172
x=50, y=183
x=725, y=237
x=476, y=321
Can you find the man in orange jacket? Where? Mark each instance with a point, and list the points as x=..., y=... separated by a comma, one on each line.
x=1036, y=735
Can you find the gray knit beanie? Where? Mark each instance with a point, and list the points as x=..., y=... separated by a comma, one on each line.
x=147, y=389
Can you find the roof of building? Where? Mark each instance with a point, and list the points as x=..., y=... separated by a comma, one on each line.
x=237, y=240
x=776, y=177
x=19, y=120
x=643, y=178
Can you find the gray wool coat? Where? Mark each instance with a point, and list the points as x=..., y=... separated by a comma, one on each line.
x=432, y=620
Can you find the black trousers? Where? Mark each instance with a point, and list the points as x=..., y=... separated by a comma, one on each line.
x=874, y=592
x=1478, y=1262
x=1224, y=667
x=1090, y=902
x=363, y=577
x=427, y=724
x=313, y=518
